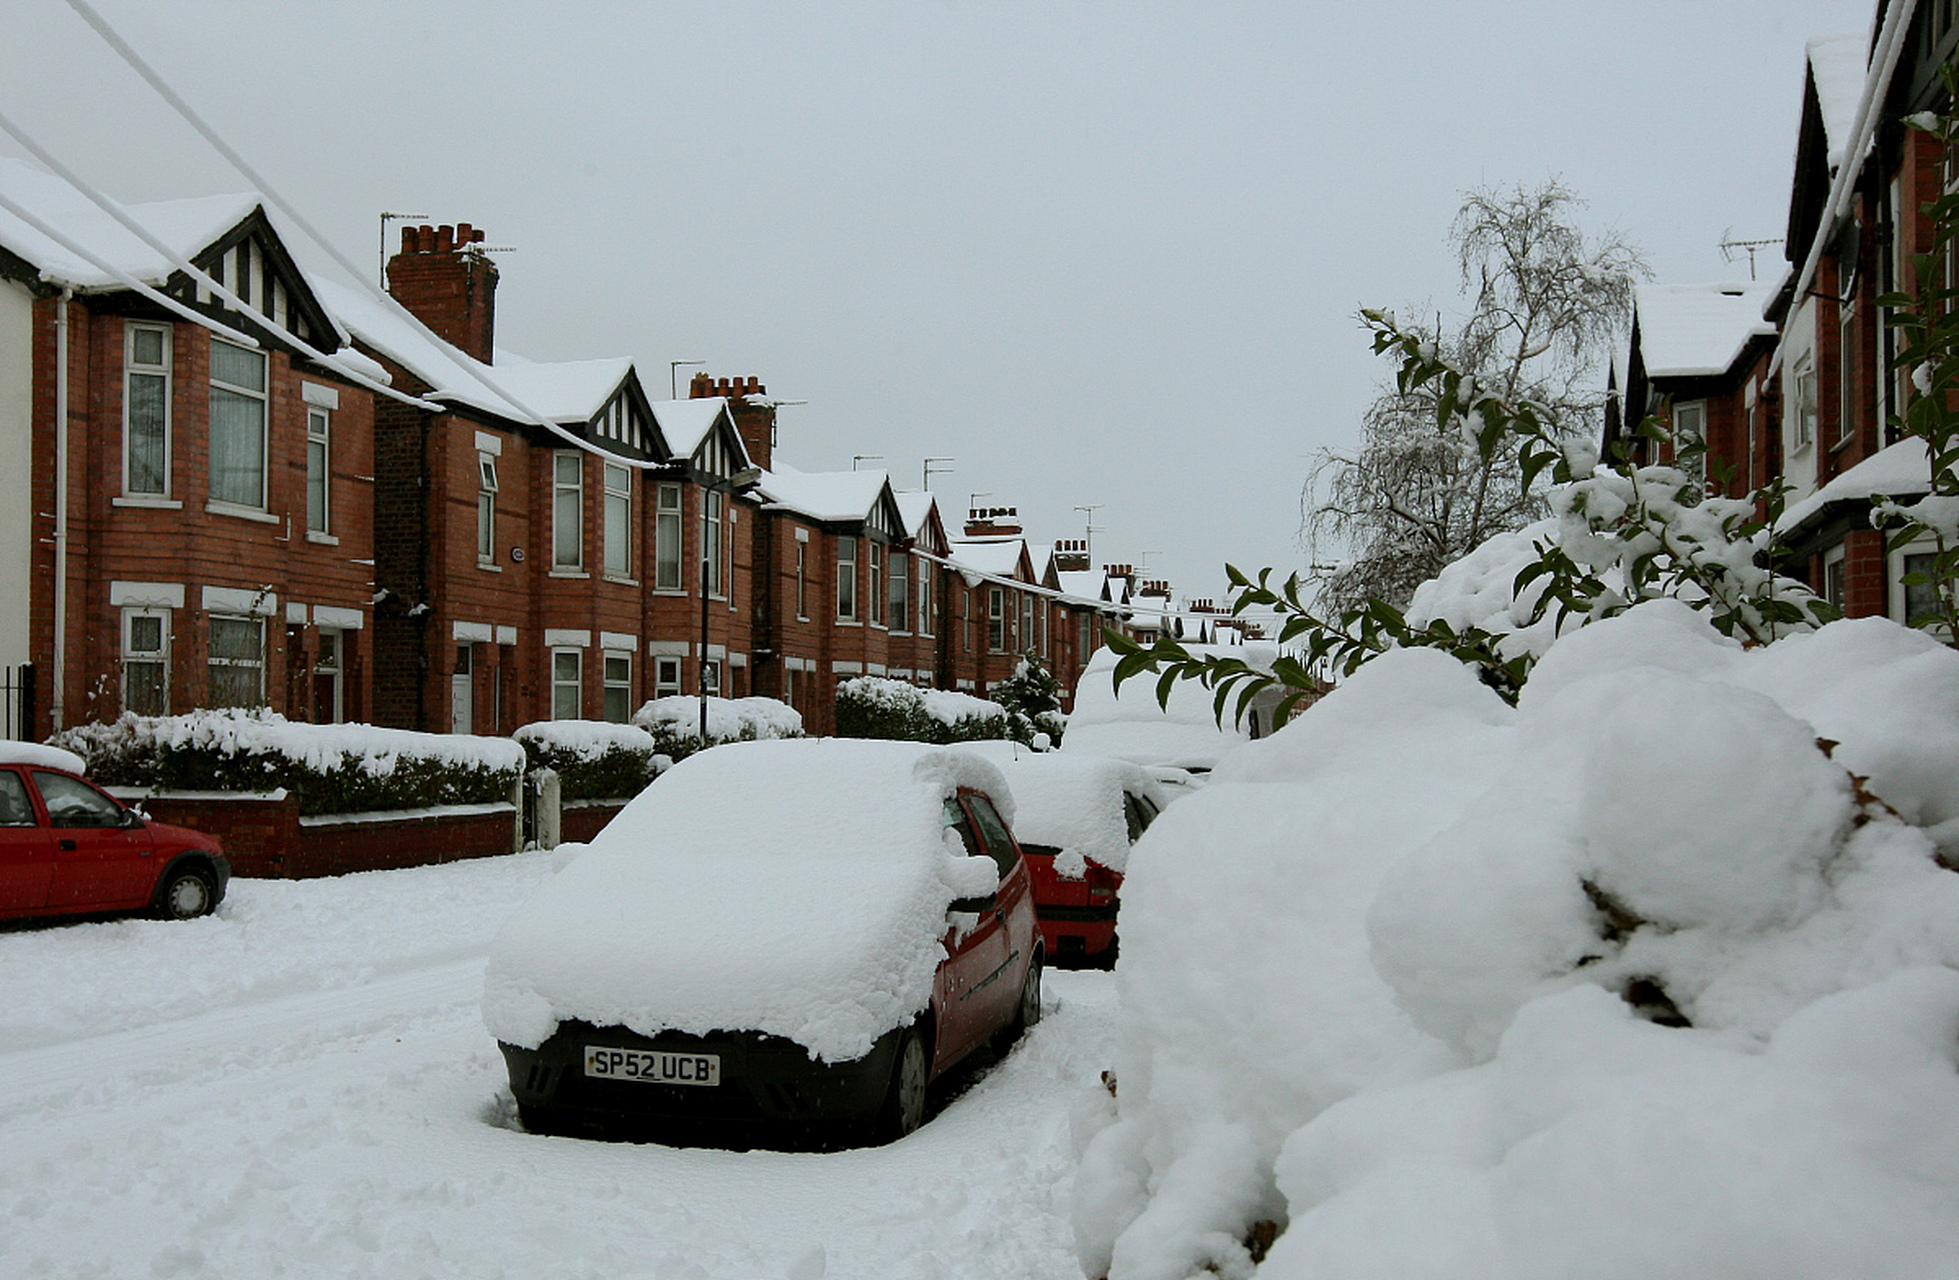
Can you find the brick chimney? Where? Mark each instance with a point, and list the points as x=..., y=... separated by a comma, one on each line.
x=748, y=403
x=1156, y=588
x=1071, y=555
x=449, y=284
x=993, y=522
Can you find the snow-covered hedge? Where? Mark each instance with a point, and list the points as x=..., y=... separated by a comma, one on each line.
x=329, y=768
x=675, y=722
x=874, y=707
x=1651, y=974
x=594, y=760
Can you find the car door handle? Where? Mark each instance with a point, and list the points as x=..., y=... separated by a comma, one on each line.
x=65, y=844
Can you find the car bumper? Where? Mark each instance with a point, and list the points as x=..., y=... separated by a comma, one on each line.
x=770, y=1089
x=1077, y=932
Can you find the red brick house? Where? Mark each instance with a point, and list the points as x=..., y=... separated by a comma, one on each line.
x=511, y=533
x=196, y=524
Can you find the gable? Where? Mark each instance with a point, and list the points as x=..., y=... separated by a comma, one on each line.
x=720, y=453
x=884, y=520
x=251, y=261
x=625, y=425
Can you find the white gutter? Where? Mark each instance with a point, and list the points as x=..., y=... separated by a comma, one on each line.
x=1890, y=45
x=196, y=274
x=58, y=704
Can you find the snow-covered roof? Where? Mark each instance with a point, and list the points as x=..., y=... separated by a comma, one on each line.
x=1699, y=330
x=1087, y=584
x=995, y=557
x=915, y=505
x=1897, y=471
x=823, y=495
x=187, y=226
x=685, y=423
x=1838, y=65
x=558, y=391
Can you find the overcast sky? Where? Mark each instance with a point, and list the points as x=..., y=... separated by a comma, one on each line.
x=1096, y=254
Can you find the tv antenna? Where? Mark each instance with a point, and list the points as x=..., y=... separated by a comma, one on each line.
x=1089, y=527
x=1729, y=246
x=386, y=218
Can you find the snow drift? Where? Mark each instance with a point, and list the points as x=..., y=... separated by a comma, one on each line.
x=1650, y=975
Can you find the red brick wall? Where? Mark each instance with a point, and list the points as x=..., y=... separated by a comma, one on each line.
x=266, y=838
x=184, y=543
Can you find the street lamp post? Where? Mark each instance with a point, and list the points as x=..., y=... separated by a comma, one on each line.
x=740, y=482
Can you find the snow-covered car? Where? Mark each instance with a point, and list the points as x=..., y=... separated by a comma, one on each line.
x=1075, y=817
x=69, y=848
x=1130, y=724
x=776, y=941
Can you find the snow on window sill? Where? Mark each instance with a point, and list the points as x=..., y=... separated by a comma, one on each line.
x=241, y=513
x=489, y=566
x=622, y=580
x=324, y=539
x=153, y=501
x=570, y=573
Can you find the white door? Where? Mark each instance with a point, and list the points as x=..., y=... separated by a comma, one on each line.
x=461, y=692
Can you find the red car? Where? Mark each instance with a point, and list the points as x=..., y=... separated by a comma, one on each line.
x=69, y=848
x=780, y=943
x=1076, y=816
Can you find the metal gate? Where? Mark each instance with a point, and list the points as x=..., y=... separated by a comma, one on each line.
x=17, y=701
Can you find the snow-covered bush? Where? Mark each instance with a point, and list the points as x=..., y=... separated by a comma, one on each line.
x=874, y=707
x=1032, y=697
x=1649, y=974
x=594, y=760
x=675, y=722
x=329, y=768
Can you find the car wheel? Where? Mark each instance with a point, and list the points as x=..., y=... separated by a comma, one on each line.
x=904, y=1098
x=1029, y=1011
x=187, y=894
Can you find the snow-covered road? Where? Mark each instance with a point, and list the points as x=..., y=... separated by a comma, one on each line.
x=302, y=1086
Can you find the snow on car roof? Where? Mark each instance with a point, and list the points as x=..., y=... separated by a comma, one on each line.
x=1071, y=803
x=33, y=753
x=1129, y=725
x=797, y=888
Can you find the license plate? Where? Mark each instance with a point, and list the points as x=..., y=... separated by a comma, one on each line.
x=652, y=1066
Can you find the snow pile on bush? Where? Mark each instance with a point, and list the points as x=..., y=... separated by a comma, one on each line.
x=1129, y=724
x=1638, y=978
x=594, y=759
x=794, y=888
x=330, y=768
x=875, y=707
x=675, y=722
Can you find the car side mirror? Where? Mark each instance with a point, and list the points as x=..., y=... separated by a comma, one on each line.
x=975, y=906
x=134, y=816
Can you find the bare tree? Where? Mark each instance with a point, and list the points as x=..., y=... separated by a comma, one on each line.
x=1545, y=304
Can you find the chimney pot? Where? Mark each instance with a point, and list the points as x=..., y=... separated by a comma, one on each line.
x=465, y=234
x=445, y=238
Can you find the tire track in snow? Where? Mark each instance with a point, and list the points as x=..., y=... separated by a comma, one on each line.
x=213, y=1041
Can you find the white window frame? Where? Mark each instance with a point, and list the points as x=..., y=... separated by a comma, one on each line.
x=1833, y=584
x=666, y=677
x=258, y=395
x=1846, y=370
x=158, y=657
x=132, y=370
x=486, y=509
x=1896, y=562
x=846, y=578
x=876, y=558
x=669, y=557
x=1802, y=413
x=927, y=601
x=336, y=668
x=713, y=552
x=319, y=468
x=613, y=682
x=213, y=663
x=572, y=689
x=802, y=581
x=996, y=619
x=618, y=534
x=567, y=510
x=1690, y=427
x=900, y=579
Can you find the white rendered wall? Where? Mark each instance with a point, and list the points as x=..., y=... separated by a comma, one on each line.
x=16, y=468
